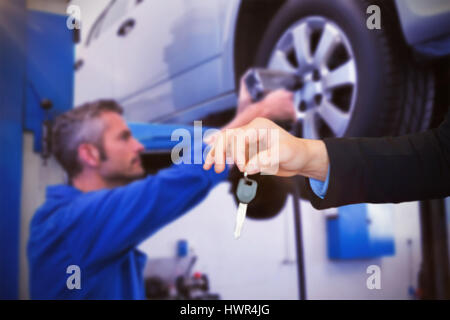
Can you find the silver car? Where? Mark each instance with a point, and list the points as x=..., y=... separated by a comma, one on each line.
x=181, y=60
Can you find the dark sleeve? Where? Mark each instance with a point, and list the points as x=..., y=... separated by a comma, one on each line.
x=389, y=169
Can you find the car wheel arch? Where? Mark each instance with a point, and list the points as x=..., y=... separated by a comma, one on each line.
x=253, y=17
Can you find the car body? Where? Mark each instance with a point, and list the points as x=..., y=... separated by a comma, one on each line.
x=177, y=60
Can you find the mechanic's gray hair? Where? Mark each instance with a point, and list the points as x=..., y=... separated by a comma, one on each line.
x=80, y=125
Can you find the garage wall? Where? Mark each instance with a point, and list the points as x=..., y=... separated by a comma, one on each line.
x=327, y=279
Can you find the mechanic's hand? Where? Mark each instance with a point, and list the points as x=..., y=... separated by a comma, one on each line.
x=278, y=152
x=279, y=105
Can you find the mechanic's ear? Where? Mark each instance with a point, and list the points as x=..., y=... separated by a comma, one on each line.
x=89, y=154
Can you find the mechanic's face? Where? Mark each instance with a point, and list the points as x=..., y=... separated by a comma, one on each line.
x=123, y=163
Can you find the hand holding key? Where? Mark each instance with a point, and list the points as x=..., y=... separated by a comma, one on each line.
x=292, y=155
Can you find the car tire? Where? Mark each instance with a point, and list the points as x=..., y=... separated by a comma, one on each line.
x=392, y=94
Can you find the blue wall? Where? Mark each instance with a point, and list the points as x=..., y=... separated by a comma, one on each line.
x=12, y=84
x=351, y=236
x=50, y=69
x=36, y=62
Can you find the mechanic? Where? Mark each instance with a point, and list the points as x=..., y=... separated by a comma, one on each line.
x=343, y=171
x=97, y=220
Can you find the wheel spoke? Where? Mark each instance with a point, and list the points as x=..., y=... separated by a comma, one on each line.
x=301, y=115
x=309, y=126
x=302, y=44
x=280, y=62
x=336, y=119
x=343, y=75
x=328, y=41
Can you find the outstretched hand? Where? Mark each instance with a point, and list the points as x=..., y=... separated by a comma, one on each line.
x=263, y=147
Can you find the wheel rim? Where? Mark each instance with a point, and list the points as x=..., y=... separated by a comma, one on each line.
x=320, y=53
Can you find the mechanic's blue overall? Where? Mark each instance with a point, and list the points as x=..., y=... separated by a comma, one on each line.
x=99, y=231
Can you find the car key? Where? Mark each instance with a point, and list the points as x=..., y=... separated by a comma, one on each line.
x=246, y=192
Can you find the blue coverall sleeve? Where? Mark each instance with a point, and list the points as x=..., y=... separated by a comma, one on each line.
x=116, y=220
